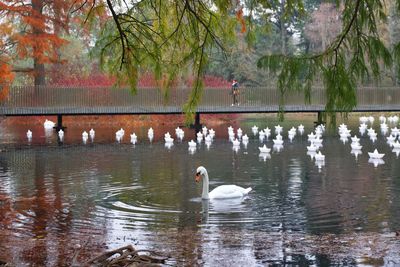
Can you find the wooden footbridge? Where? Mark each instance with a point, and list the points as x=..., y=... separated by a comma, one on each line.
x=50, y=100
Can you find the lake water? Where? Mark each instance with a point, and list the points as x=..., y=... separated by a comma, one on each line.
x=60, y=198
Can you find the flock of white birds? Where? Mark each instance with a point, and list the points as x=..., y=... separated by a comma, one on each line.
x=315, y=138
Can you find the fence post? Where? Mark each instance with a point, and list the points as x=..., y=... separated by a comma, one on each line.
x=196, y=125
x=59, y=125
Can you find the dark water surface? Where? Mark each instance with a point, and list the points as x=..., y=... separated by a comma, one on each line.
x=57, y=199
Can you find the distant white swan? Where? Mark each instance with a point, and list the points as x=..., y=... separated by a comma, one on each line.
x=220, y=192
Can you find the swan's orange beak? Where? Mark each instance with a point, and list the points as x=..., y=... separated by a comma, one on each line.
x=198, y=177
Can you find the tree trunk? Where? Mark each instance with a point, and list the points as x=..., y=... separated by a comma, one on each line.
x=39, y=73
x=283, y=30
x=38, y=66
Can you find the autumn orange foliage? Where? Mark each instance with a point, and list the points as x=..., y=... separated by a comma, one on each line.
x=6, y=78
x=240, y=18
x=34, y=30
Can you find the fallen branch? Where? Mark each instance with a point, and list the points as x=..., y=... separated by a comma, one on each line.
x=125, y=256
x=76, y=253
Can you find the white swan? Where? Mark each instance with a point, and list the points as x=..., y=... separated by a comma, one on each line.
x=220, y=192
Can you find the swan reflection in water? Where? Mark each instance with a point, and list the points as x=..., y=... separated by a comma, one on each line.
x=217, y=209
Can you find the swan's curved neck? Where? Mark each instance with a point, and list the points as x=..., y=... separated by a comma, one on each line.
x=204, y=195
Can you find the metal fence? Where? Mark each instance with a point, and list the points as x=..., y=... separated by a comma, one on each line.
x=76, y=100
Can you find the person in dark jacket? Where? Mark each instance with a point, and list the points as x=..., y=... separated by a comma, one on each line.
x=235, y=92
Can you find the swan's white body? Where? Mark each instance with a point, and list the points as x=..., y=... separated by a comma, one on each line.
x=222, y=191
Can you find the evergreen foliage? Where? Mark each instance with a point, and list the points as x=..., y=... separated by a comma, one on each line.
x=357, y=54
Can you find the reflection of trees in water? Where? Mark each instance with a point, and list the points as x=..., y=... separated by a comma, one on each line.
x=60, y=206
x=48, y=224
x=351, y=196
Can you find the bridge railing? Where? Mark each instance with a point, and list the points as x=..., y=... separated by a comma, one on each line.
x=50, y=99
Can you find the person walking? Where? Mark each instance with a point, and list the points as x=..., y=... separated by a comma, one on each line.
x=235, y=92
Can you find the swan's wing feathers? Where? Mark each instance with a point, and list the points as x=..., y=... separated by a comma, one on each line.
x=228, y=191
x=247, y=190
